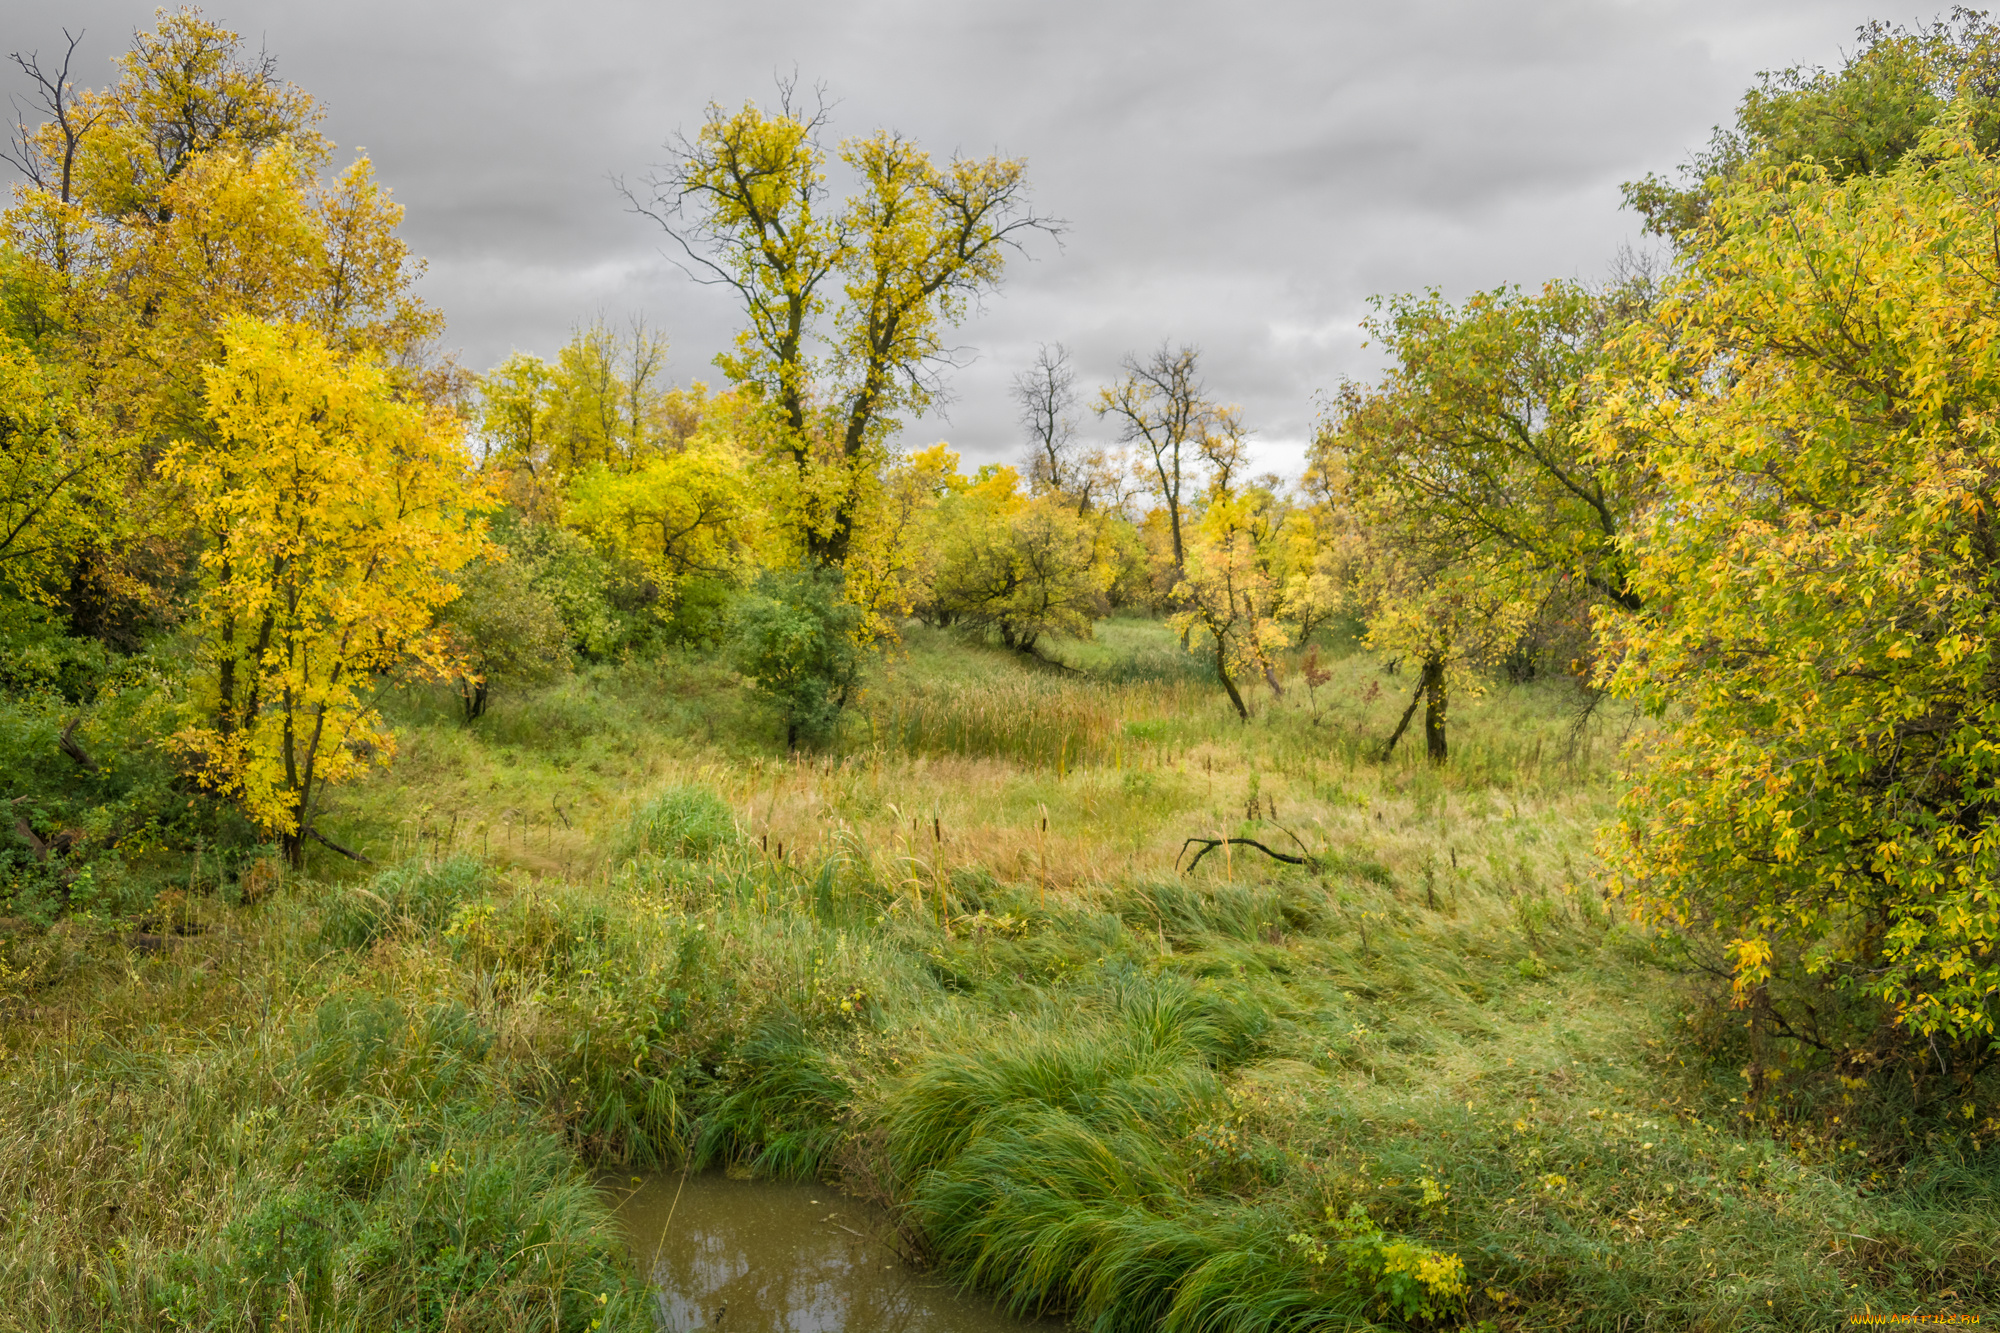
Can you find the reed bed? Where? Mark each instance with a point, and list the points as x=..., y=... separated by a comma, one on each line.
x=1035, y=721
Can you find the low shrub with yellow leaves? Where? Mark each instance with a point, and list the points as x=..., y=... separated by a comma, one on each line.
x=1399, y=1277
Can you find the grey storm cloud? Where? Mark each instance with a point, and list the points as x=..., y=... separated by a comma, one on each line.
x=1241, y=177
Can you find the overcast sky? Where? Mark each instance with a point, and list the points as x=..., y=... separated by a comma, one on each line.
x=1237, y=176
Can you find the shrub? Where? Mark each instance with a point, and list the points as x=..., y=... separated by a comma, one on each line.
x=700, y=617
x=508, y=631
x=1398, y=1277
x=796, y=642
x=602, y=612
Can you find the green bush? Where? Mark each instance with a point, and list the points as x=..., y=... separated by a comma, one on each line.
x=795, y=641
x=605, y=610
x=84, y=763
x=701, y=613
x=509, y=632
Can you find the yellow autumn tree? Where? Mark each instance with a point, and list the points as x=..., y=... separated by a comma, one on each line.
x=1026, y=567
x=893, y=558
x=1230, y=597
x=516, y=410
x=57, y=472
x=1315, y=558
x=336, y=513
x=847, y=309
x=190, y=192
x=604, y=399
x=1821, y=594
x=682, y=515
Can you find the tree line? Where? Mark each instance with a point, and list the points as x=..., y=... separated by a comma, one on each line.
x=245, y=490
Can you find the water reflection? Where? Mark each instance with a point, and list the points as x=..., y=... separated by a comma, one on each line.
x=744, y=1256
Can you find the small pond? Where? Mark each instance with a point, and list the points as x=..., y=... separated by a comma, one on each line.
x=755, y=1256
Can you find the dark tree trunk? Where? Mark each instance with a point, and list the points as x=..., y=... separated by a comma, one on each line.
x=1222, y=670
x=1435, y=700
x=1389, y=746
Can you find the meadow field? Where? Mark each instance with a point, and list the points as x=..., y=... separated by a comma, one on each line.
x=1431, y=1077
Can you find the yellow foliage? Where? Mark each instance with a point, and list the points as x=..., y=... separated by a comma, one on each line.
x=1230, y=593
x=1025, y=567
x=1817, y=397
x=677, y=515
x=336, y=514
x=182, y=93
x=907, y=252
x=57, y=475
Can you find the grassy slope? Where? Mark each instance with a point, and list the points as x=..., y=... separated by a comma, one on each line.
x=972, y=984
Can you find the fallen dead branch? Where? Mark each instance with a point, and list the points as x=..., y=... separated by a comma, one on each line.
x=1210, y=844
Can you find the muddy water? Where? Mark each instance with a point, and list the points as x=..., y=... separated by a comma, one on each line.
x=752, y=1256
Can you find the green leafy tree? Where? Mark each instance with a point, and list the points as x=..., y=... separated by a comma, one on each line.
x=796, y=643
x=1858, y=119
x=1476, y=432
x=1481, y=491
x=505, y=633
x=1454, y=616
x=563, y=567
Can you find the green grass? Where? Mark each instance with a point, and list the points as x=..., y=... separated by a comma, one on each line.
x=953, y=966
x=256, y=1129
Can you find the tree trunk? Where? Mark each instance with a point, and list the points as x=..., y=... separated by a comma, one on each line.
x=1222, y=670
x=1389, y=746
x=1435, y=699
